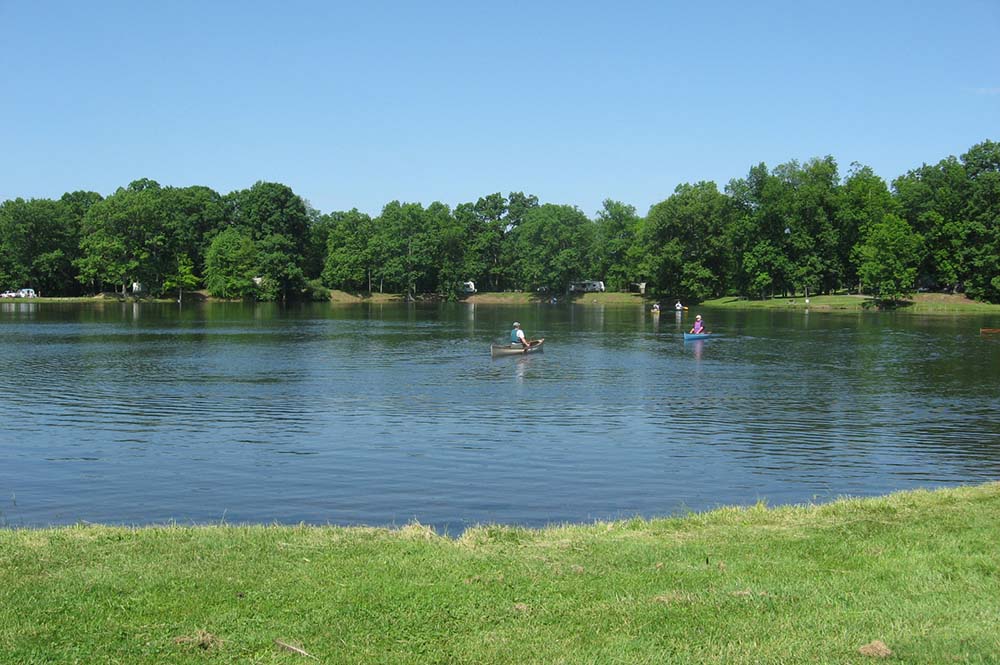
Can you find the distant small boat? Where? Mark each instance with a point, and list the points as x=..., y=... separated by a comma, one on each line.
x=518, y=350
x=693, y=336
x=989, y=331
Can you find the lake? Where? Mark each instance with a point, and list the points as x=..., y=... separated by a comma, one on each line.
x=373, y=414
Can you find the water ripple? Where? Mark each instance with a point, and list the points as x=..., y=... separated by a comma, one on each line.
x=382, y=415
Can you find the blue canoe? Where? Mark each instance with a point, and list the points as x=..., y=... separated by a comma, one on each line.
x=693, y=336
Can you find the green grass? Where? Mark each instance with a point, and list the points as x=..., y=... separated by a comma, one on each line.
x=525, y=297
x=921, y=303
x=917, y=570
x=948, y=304
x=796, y=302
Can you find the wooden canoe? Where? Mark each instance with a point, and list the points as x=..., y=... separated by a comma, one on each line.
x=693, y=336
x=511, y=350
x=989, y=331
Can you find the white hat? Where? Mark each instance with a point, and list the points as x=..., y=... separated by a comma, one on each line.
x=517, y=325
x=698, y=317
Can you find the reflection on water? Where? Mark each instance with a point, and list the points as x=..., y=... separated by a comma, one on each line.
x=696, y=347
x=382, y=414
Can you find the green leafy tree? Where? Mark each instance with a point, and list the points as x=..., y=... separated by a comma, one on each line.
x=272, y=209
x=758, y=238
x=491, y=243
x=474, y=263
x=887, y=259
x=813, y=239
x=933, y=202
x=16, y=233
x=617, y=225
x=488, y=243
x=125, y=238
x=348, y=264
x=405, y=248
x=740, y=234
x=551, y=247
x=318, y=238
x=761, y=263
x=39, y=240
x=447, y=236
x=683, y=242
x=785, y=234
x=73, y=207
x=277, y=267
x=231, y=265
x=181, y=278
x=864, y=201
x=54, y=245
x=193, y=215
x=981, y=246
x=519, y=205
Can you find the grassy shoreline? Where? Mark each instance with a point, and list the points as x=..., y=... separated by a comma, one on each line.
x=916, y=570
x=921, y=303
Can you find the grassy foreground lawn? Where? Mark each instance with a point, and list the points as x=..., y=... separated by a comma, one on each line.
x=918, y=571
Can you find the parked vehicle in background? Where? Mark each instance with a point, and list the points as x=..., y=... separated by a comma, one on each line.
x=589, y=286
x=468, y=287
x=26, y=293
x=8, y=294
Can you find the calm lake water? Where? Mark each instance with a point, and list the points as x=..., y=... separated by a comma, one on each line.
x=385, y=414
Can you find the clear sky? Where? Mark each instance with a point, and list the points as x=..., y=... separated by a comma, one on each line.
x=357, y=104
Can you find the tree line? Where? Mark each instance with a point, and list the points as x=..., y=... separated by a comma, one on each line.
x=794, y=228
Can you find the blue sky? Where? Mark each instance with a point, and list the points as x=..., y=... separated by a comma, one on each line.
x=358, y=104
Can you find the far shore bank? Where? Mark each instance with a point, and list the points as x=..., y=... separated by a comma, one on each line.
x=921, y=303
x=912, y=577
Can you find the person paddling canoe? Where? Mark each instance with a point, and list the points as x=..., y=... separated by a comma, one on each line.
x=699, y=326
x=517, y=337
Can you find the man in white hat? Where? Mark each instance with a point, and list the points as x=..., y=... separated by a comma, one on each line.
x=699, y=327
